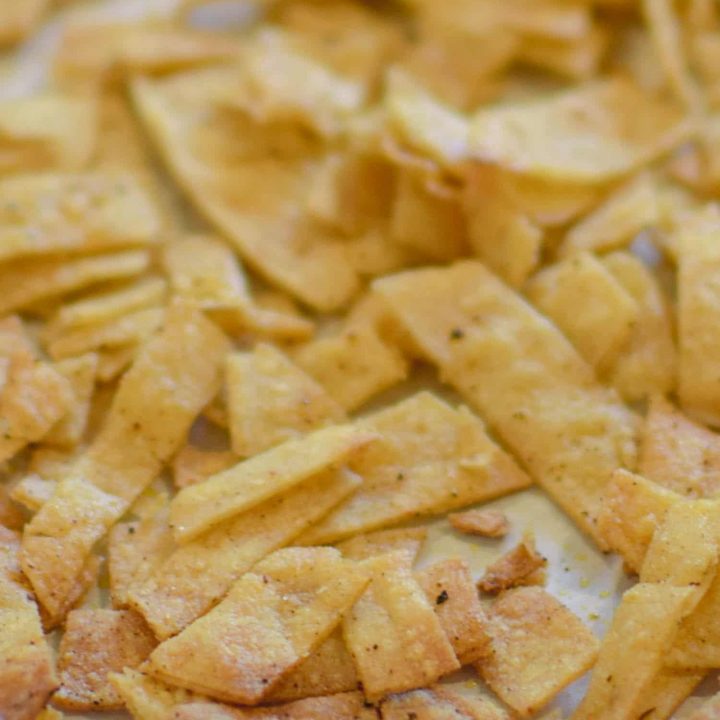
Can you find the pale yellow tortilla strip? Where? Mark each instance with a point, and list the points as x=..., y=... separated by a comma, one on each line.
x=634, y=649
x=392, y=633
x=32, y=492
x=523, y=377
x=19, y=20
x=666, y=693
x=200, y=507
x=362, y=547
x=198, y=574
x=537, y=648
x=27, y=675
x=113, y=363
x=11, y=514
x=271, y=400
x=95, y=643
x=582, y=297
x=430, y=458
x=678, y=453
x=151, y=413
x=193, y=464
x=271, y=620
x=698, y=305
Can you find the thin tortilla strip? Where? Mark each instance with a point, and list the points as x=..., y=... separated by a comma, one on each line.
x=362, y=547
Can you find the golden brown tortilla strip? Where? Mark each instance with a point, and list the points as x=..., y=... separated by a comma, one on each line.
x=27, y=674
x=198, y=508
x=271, y=400
x=538, y=647
x=193, y=465
x=11, y=516
x=450, y=589
x=487, y=522
x=430, y=458
x=198, y=574
x=519, y=566
x=678, y=453
x=541, y=399
x=393, y=634
x=17, y=20
x=151, y=413
x=113, y=363
x=666, y=693
x=95, y=643
x=270, y=621
x=362, y=547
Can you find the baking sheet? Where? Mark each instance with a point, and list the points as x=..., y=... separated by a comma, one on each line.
x=585, y=580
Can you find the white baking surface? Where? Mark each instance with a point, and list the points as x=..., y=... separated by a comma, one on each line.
x=585, y=580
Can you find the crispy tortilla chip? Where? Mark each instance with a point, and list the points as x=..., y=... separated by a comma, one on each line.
x=362, y=547
x=626, y=212
x=193, y=465
x=588, y=304
x=501, y=233
x=272, y=619
x=151, y=413
x=440, y=702
x=80, y=373
x=449, y=587
x=522, y=565
x=259, y=218
x=200, y=507
x=198, y=574
x=11, y=516
x=353, y=365
x=523, y=376
x=430, y=458
x=18, y=20
x=271, y=400
x=576, y=58
x=113, y=363
x=27, y=675
x=24, y=282
x=95, y=643
x=32, y=492
x=487, y=523
x=647, y=363
x=329, y=669
x=395, y=638
x=538, y=647
x=633, y=651
x=678, y=453
x=665, y=694
x=698, y=307
x=584, y=135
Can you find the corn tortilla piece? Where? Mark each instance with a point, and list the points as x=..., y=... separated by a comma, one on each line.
x=27, y=673
x=537, y=648
x=583, y=135
x=163, y=392
x=678, y=453
x=393, y=634
x=353, y=365
x=522, y=376
x=500, y=231
x=11, y=516
x=198, y=574
x=18, y=21
x=450, y=589
x=329, y=669
x=50, y=714
x=97, y=642
x=520, y=566
x=697, y=308
x=110, y=305
x=131, y=329
x=487, y=523
x=47, y=214
x=589, y=305
x=24, y=282
x=648, y=362
x=193, y=465
x=271, y=400
x=200, y=507
x=272, y=618
x=47, y=131
x=666, y=693
x=362, y=547
x=613, y=225
x=439, y=702
x=634, y=649
x=32, y=492
x=264, y=227
x=113, y=363
x=430, y=458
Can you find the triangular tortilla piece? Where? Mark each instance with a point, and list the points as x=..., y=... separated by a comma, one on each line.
x=198, y=574
x=271, y=400
x=393, y=634
x=271, y=620
x=259, y=218
x=200, y=507
x=522, y=375
x=27, y=674
x=431, y=457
